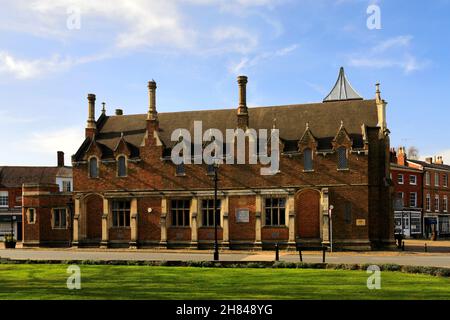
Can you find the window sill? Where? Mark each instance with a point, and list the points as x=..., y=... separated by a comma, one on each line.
x=59, y=228
x=180, y=227
x=343, y=170
x=180, y=175
x=275, y=227
x=116, y=228
x=309, y=171
x=208, y=228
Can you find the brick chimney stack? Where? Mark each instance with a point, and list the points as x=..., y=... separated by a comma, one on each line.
x=60, y=159
x=440, y=160
x=91, y=126
x=152, y=114
x=242, y=112
x=429, y=160
x=401, y=156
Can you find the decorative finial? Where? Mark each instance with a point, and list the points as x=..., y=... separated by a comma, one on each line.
x=274, y=125
x=307, y=125
x=104, y=107
x=342, y=123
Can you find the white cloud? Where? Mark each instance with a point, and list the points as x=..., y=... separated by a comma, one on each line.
x=246, y=62
x=123, y=26
x=42, y=145
x=23, y=69
x=391, y=53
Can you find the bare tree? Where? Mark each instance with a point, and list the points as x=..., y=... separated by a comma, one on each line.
x=413, y=153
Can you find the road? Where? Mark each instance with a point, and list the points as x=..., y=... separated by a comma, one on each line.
x=401, y=258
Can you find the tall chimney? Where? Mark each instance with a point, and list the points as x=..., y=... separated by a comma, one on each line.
x=91, y=111
x=152, y=113
x=60, y=159
x=401, y=156
x=242, y=108
x=429, y=160
x=440, y=160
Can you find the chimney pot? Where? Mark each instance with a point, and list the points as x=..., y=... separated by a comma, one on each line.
x=60, y=159
x=119, y=112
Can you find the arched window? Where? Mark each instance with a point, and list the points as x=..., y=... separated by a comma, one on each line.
x=93, y=168
x=342, y=158
x=122, y=166
x=307, y=160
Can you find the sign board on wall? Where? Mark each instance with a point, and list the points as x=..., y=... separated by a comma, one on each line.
x=361, y=222
x=242, y=215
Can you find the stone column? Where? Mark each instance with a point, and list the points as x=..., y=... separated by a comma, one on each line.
x=194, y=222
x=325, y=217
x=105, y=224
x=258, y=212
x=163, y=222
x=291, y=221
x=225, y=228
x=76, y=223
x=134, y=224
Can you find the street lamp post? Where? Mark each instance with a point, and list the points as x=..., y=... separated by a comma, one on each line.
x=216, y=245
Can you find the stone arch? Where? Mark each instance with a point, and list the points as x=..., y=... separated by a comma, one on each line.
x=307, y=209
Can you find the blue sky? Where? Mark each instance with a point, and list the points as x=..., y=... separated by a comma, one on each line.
x=290, y=50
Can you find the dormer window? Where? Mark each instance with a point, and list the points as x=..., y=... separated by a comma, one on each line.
x=93, y=167
x=342, y=158
x=308, y=160
x=121, y=166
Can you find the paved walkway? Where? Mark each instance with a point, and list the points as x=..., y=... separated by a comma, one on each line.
x=402, y=258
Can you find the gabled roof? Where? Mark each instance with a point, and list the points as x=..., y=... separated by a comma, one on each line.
x=291, y=121
x=342, y=90
x=14, y=177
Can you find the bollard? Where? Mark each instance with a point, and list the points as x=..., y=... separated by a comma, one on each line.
x=403, y=245
x=277, y=252
x=426, y=249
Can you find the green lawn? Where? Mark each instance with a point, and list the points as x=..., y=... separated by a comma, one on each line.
x=143, y=282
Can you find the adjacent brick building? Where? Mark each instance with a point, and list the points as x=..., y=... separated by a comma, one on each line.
x=128, y=192
x=408, y=203
x=436, y=192
x=12, y=180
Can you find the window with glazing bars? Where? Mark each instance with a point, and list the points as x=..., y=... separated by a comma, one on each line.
x=208, y=216
x=180, y=212
x=275, y=209
x=121, y=213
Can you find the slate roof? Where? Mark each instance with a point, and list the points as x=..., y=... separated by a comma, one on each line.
x=14, y=177
x=431, y=165
x=342, y=90
x=324, y=121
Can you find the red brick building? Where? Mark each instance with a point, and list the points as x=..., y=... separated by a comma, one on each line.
x=436, y=192
x=408, y=203
x=128, y=192
x=12, y=180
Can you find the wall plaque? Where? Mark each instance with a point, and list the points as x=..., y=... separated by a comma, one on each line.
x=242, y=215
x=361, y=222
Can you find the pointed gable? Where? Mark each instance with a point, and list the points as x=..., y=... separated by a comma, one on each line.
x=93, y=149
x=122, y=147
x=342, y=138
x=307, y=141
x=342, y=90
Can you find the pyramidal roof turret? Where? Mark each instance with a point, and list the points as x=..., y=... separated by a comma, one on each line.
x=342, y=90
